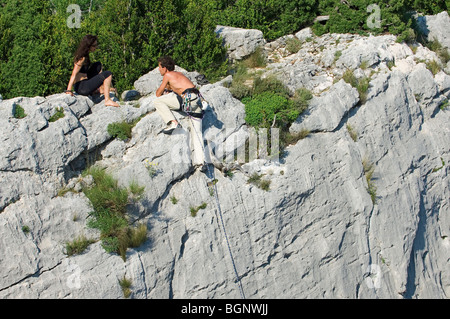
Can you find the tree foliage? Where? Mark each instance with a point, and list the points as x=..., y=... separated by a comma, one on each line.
x=275, y=18
x=23, y=47
x=394, y=16
x=37, y=44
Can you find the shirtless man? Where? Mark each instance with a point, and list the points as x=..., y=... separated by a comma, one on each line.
x=170, y=96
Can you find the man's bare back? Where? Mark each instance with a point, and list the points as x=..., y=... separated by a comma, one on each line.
x=173, y=81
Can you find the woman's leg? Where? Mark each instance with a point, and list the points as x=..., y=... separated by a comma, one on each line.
x=102, y=80
x=87, y=87
x=106, y=87
x=95, y=69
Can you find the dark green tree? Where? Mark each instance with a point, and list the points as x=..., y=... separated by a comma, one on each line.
x=23, y=33
x=274, y=18
x=430, y=6
x=37, y=43
x=198, y=48
x=60, y=45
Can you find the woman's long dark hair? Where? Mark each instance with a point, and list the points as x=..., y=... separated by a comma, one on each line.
x=84, y=48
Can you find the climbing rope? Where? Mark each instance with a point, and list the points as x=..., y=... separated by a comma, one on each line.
x=212, y=184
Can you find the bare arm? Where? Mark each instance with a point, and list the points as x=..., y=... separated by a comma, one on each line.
x=76, y=69
x=165, y=84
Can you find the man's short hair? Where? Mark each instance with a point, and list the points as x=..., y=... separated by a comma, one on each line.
x=167, y=62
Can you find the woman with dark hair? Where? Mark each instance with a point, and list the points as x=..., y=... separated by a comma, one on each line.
x=87, y=78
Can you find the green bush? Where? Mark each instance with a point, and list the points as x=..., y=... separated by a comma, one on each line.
x=395, y=16
x=442, y=52
x=301, y=99
x=362, y=84
x=270, y=109
x=194, y=210
x=239, y=87
x=240, y=90
x=266, y=106
x=126, y=285
x=287, y=138
x=138, y=235
x=270, y=84
x=350, y=78
x=256, y=60
x=273, y=18
x=260, y=110
x=369, y=169
x=19, y=112
x=247, y=85
x=121, y=130
x=433, y=66
x=293, y=45
x=257, y=180
x=26, y=229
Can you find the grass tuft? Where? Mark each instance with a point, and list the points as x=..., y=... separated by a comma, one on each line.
x=125, y=284
x=257, y=180
x=369, y=169
x=194, y=210
x=109, y=202
x=78, y=245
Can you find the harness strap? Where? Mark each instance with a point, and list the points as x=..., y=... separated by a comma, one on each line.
x=191, y=90
x=186, y=100
x=180, y=100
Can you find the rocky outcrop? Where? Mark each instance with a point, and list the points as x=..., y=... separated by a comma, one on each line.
x=239, y=42
x=322, y=230
x=325, y=112
x=435, y=28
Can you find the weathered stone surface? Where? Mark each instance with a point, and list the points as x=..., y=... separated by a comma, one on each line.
x=326, y=112
x=425, y=89
x=406, y=146
x=304, y=34
x=240, y=42
x=436, y=27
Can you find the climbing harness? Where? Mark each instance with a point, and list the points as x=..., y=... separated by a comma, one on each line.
x=192, y=101
x=213, y=187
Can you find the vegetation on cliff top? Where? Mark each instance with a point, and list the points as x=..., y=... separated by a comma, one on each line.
x=38, y=38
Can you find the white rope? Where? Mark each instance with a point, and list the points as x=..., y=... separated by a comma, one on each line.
x=238, y=280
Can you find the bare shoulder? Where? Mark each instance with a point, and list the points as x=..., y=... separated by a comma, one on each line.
x=177, y=75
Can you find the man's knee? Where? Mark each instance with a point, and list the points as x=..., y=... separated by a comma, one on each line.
x=159, y=104
x=168, y=102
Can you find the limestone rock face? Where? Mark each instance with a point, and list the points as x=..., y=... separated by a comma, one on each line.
x=240, y=42
x=326, y=112
x=436, y=27
x=323, y=229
